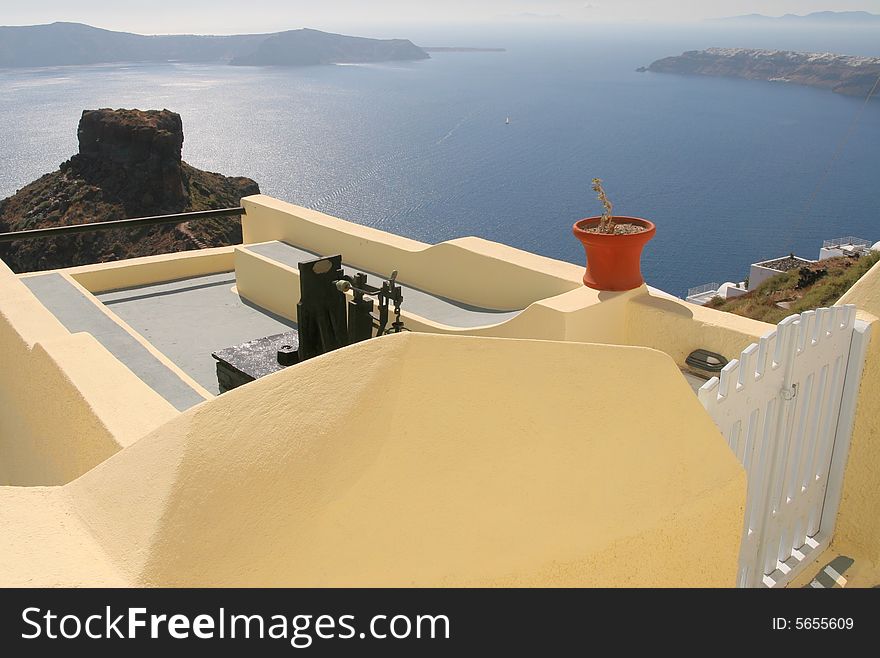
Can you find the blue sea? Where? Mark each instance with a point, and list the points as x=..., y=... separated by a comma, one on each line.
x=731, y=171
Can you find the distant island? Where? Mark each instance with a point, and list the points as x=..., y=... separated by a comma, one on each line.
x=815, y=18
x=65, y=44
x=461, y=49
x=842, y=74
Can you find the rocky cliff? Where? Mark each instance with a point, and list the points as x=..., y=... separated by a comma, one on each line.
x=129, y=165
x=843, y=74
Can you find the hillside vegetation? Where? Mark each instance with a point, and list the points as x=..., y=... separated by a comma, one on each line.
x=813, y=286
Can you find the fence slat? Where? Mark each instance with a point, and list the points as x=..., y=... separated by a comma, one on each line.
x=778, y=406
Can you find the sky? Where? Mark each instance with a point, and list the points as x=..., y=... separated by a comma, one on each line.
x=237, y=16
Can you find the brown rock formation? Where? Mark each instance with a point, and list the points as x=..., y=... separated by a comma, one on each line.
x=129, y=165
x=135, y=154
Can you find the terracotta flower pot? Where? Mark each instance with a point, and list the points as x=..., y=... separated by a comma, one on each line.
x=613, y=261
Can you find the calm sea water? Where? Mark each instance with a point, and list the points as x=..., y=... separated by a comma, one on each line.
x=725, y=168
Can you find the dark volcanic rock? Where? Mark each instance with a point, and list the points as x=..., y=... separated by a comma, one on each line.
x=135, y=155
x=129, y=165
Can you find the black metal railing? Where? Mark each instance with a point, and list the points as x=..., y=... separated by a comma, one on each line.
x=178, y=218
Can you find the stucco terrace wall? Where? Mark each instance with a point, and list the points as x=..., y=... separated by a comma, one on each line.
x=678, y=328
x=470, y=270
x=66, y=403
x=447, y=460
x=557, y=306
x=858, y=518
x=101, y=277
x=579, y=314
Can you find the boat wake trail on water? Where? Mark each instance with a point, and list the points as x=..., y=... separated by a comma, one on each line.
x=455, y=128
x=396, y=160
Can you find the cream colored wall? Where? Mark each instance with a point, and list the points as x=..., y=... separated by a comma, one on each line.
x=448, y=460
x=269, y=285
x=43, y=543
x=275, y=287
x=528, y=449
x=557, y=305
x=642, y=317
x=494, y=444
x=147, y=345
x=470, y=270
x=67, y=403
x=581, y=314
x=102, y=277
x=858, y=519
x=678, y=328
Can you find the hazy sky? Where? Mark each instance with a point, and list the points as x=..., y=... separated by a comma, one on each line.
x=229, y=16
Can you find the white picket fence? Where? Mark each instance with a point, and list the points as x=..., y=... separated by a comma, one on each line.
x=786, y=408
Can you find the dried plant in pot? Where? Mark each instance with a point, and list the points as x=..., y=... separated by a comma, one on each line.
x=613, y=245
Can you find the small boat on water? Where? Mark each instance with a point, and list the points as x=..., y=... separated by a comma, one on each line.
x=507, y=121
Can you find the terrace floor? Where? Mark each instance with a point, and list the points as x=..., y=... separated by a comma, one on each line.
x=184, y=320
x=693, y=380
x=189, y=319
x=79, y=312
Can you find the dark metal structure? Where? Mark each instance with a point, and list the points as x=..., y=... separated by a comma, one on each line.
x=360, y=319
x=325, y=322
x=320, y=312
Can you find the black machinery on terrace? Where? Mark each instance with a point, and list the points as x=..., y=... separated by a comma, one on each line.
x=325, y=322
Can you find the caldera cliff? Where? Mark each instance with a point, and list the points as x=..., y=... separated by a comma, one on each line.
x=842, y=74
x=129, y=165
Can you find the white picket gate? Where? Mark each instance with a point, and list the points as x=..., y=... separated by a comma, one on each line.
x=786, y=408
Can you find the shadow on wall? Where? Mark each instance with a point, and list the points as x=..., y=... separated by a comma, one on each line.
x=67, y=403
x=445, y=461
